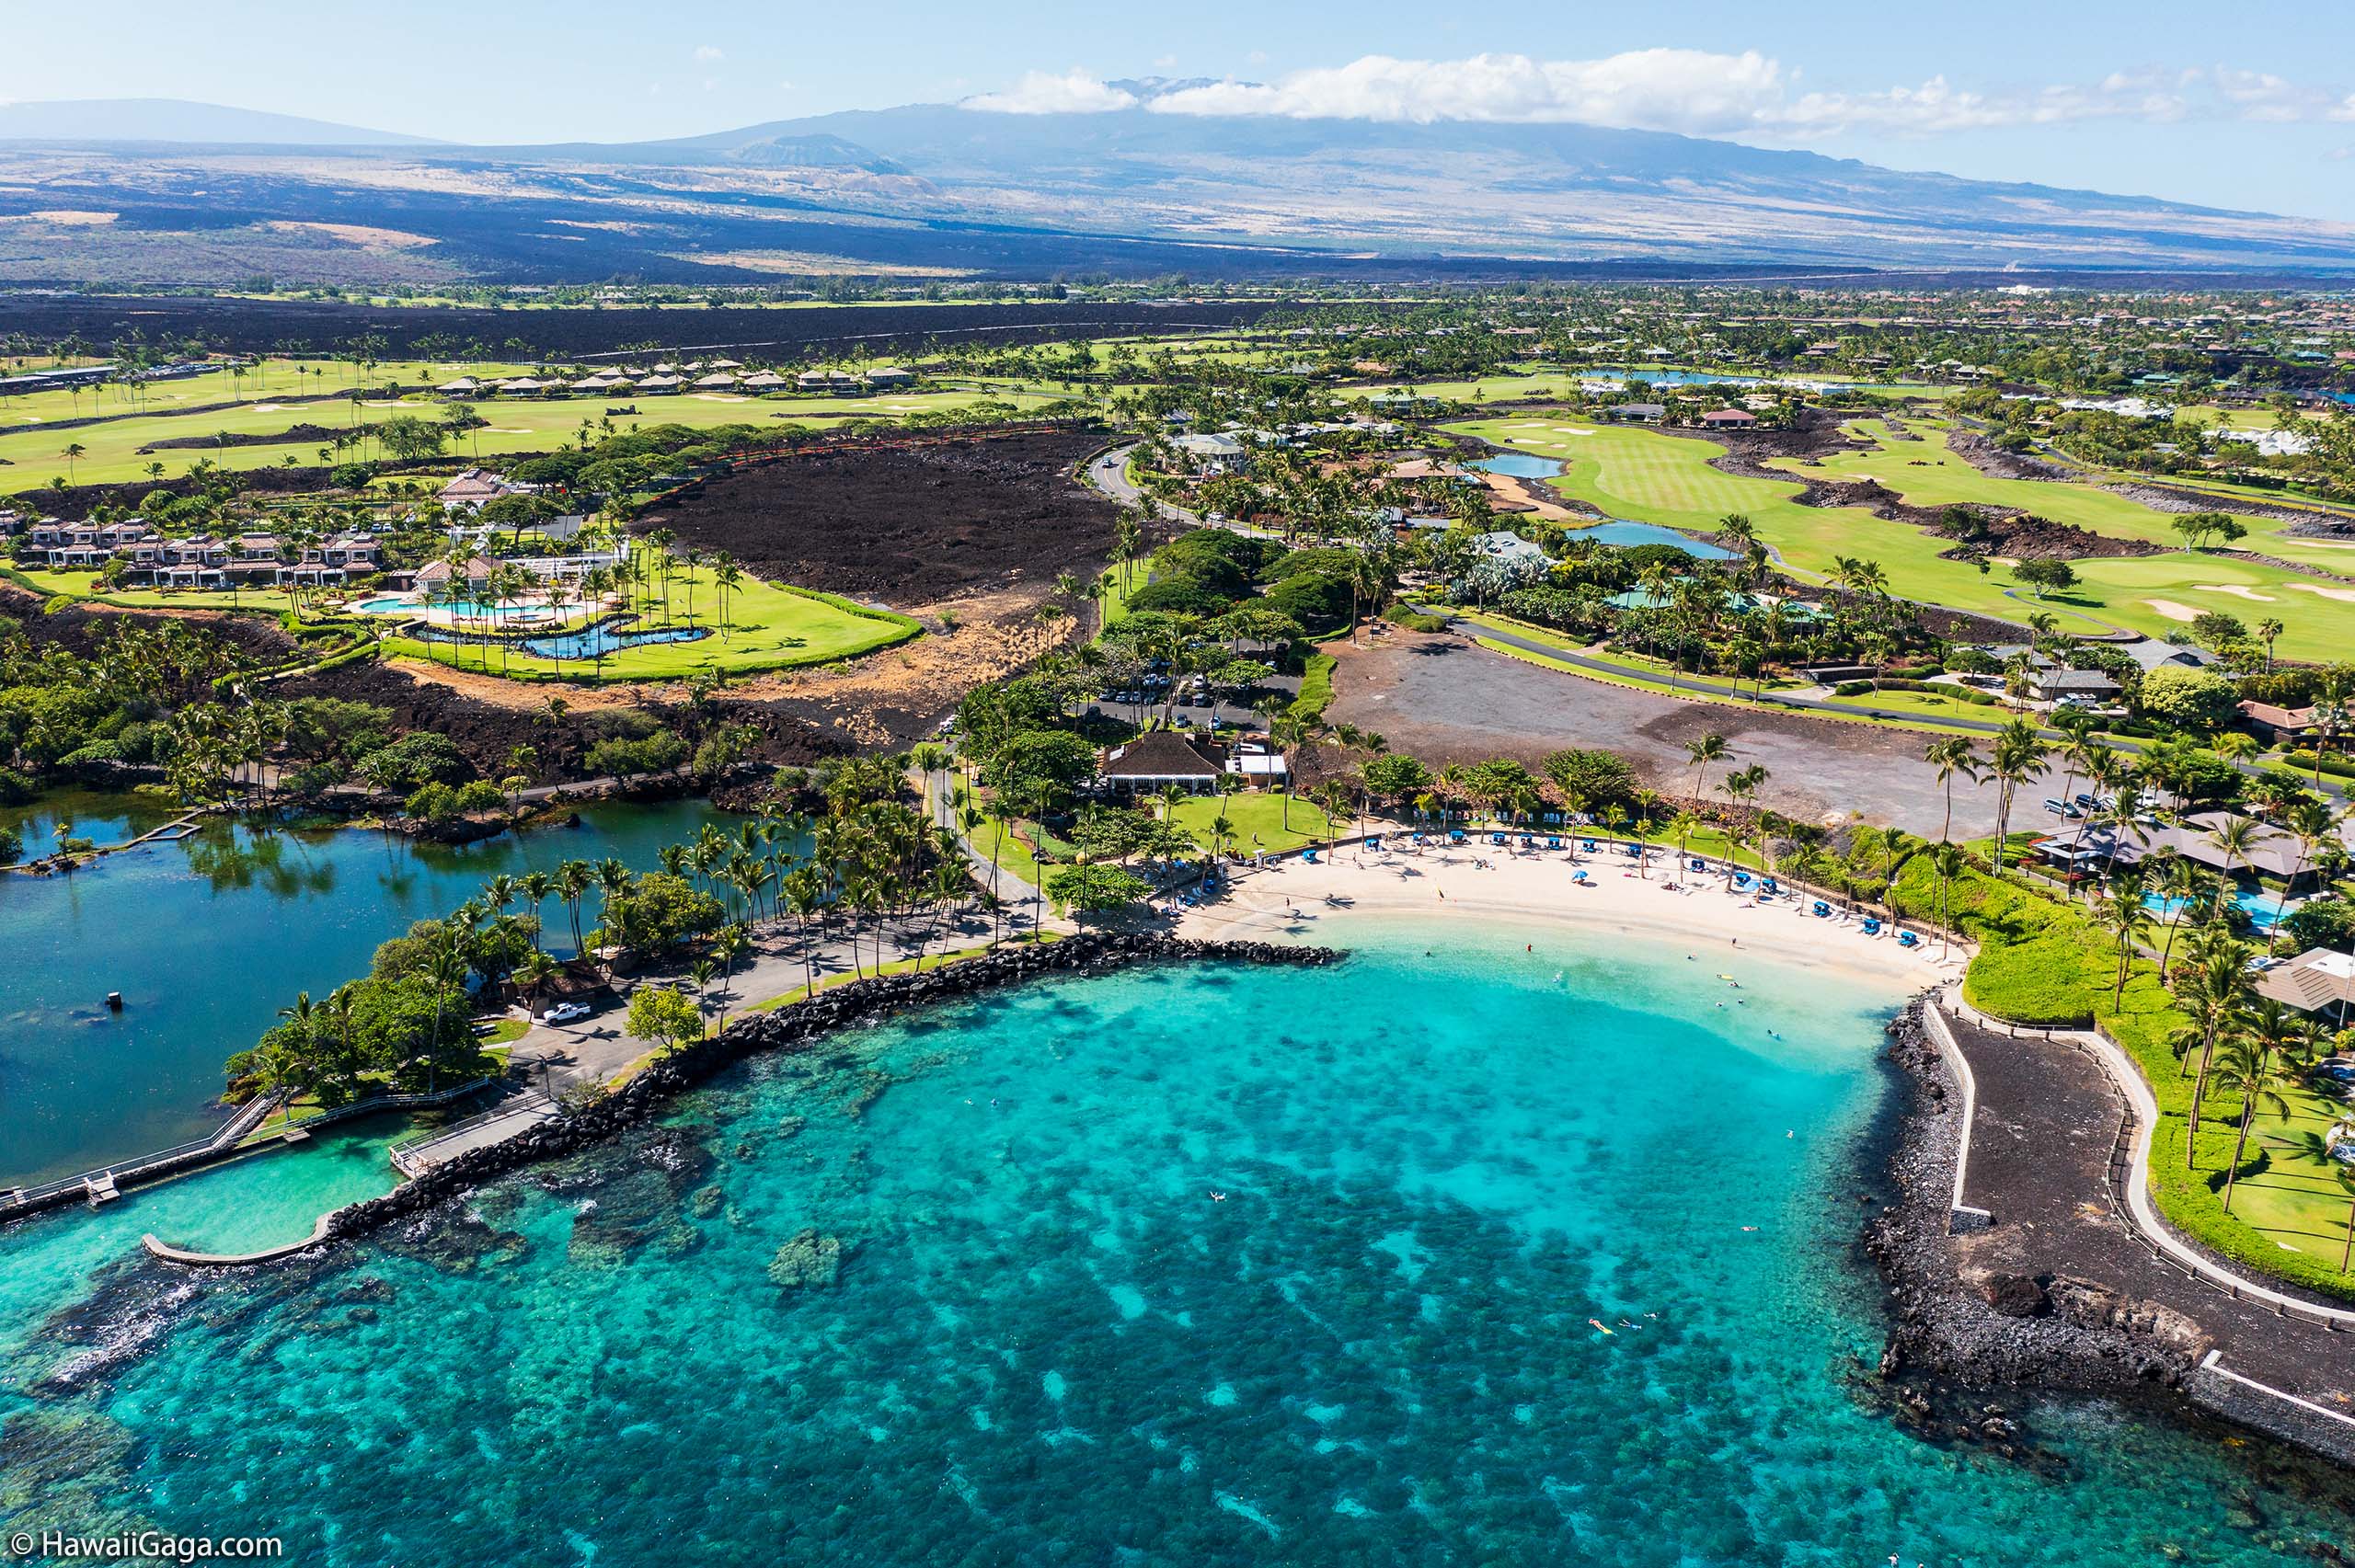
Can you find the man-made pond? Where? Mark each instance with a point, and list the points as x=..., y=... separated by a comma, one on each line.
x=1519, y=465
x=1622, y=533
x=605, y=638
x=608, y=637
x=207, y=938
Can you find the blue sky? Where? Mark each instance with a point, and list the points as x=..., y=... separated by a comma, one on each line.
x=2246, y=105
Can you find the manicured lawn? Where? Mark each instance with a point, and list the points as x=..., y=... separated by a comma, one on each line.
x=1258, y=822
x=769, y=626
x=1006, y=848
x=85, y=585
x=2040, y=962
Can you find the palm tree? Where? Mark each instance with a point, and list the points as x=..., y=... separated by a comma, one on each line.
x=2018, y=756
x=731, y=945
x=1708, y=749
x=2233, y=839
x=533, y=974
x=2218, y=997
x=296, y=1057
x=2250, y=1069
x=2310, y=823
x=2126, y=921
x=1682, y=826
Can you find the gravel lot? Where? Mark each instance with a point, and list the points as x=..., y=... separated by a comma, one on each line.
x=1444, y=700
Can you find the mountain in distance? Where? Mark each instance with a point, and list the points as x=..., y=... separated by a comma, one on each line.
x=86, y=121
x=1535, y=191
x=946, y=186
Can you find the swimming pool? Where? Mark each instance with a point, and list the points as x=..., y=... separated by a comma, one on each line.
x=2260, y=907
x=398, y=604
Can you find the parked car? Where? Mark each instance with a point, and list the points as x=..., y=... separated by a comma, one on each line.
x=2061, y=808
x=564, y=1012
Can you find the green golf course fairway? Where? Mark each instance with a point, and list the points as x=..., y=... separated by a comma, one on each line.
x=1650, y=477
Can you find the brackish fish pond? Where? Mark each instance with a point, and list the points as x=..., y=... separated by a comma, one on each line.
x=206, y=938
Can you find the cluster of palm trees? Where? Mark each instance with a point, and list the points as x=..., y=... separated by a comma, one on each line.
x=856, y=872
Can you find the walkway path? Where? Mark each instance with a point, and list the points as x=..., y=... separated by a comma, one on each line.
x=2059, y=1155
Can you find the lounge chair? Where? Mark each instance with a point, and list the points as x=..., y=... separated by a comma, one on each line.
x=1580, y=877
x=1375, y=841
x=1741, y=879
x=1872, y=925
x=1456, y=835
x=1907, y=939
x=1699, y=864
x=1822, y=911
x=1768, y=883
x=1527, y=842
x=1553, y=842
x=1587, y=845
x=1496, y=838
x=1308, y=855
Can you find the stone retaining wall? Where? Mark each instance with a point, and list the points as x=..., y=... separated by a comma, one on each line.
x=861, y=1002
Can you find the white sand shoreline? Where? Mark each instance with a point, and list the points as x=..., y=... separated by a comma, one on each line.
x=1444, y=885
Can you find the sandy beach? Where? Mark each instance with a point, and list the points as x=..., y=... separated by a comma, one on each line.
x=1290, y=898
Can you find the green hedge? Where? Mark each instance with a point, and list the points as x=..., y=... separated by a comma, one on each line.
x=2303, y=759
x=1315, y=687
x=2044, y=964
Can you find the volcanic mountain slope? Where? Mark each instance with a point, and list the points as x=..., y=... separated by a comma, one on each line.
x=945, y=188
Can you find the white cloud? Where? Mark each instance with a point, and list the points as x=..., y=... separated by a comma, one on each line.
x=707, y=53
x=1041, y=92
x=1672, y=89
x=1693, y=91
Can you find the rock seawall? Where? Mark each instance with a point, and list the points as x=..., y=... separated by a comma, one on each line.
x=1985, y=1329
x=858, y=1004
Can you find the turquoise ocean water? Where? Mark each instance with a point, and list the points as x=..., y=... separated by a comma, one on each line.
x=1186, y=1265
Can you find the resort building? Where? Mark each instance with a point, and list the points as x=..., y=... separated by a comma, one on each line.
x=1211, y=452
x=1728, y=419
x=1641, y=413
x=2318, y=980
x=1503, y=546
x=1157, y=760
x=2271, y=852
x=475, y=573
x=472, y=487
